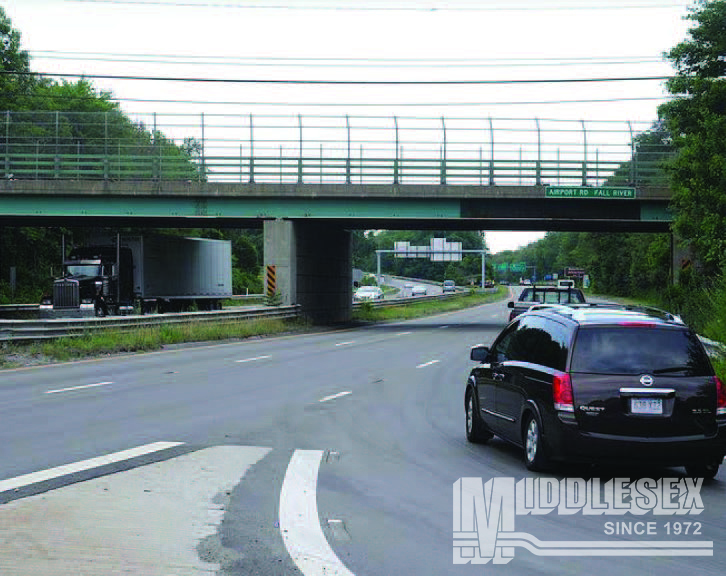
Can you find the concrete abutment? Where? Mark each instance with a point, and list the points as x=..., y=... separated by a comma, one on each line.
x=313, y=267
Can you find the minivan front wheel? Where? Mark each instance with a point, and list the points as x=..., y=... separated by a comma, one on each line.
x=705, y=471
x=535, y=457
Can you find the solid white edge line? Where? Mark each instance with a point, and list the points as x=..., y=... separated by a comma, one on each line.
x=345, y=343
x=334, y=396
x=57, y=472
x=78, y=387
x=428, y=363
x=299, y=522
x=253, y=359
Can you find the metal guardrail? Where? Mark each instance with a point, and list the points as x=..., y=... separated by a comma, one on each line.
x=12, y=308
x=326, y=149
x=19, y=330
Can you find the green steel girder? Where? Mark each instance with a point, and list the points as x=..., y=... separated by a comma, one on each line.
x=59, y=206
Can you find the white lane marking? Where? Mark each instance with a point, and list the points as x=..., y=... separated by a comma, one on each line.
x=345, y=343
x=403, y=333
x=442, y=327
x=428, y=363
x=253, y=359
x=78, y=387
x=334, y=396
x=299, y=521
x=57, y=472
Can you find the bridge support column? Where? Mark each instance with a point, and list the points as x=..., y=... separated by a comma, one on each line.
x=314, y=267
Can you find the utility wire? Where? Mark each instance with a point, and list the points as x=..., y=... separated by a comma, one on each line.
x=334, y=82
x=336, y=62
x=398, y=6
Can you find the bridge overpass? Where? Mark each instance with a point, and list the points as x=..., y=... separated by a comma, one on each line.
x=309, y=194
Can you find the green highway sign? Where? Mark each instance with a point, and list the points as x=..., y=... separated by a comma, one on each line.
x=502, y=267
x=518, y=267
x=619, y=193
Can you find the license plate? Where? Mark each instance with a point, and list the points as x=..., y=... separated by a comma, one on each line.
x=646, y=406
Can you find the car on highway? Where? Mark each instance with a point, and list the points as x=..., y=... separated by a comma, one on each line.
x=368, y=293
x=419, y=290
x=599, y=383
x=449, y=286
x=544, y=295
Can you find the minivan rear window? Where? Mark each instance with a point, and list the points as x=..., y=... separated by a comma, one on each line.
x=639, y=350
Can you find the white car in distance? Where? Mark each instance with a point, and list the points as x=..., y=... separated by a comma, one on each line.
x=368, y=293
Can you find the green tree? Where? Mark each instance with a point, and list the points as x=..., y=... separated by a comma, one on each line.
x=15, y=82
x=696, y=118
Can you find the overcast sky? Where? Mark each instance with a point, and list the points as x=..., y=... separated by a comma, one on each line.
x=365, y=40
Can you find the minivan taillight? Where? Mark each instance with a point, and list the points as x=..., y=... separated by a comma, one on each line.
x=720, y=396
x=562, y=392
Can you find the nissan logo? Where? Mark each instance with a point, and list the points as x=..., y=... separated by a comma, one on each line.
x=646, y=380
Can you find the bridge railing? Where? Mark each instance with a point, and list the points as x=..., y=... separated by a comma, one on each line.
x=328, y=150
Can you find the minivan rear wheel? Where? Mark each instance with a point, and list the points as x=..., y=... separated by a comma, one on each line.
x=535, y=457
x=476, y=430
x=705, y=471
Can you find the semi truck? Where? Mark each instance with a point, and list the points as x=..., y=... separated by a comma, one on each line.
x=126, y=274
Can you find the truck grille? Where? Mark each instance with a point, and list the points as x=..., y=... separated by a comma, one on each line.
x=66, y=294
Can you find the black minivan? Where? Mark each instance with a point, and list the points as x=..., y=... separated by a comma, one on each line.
x=599, y=383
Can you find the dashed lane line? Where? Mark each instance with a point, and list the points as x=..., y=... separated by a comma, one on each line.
x=334, y=396
x=253, y=359
x=299, y=522
x=430, y=363
x=72, y=388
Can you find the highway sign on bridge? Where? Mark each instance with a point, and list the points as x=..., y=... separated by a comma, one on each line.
x=588, y=192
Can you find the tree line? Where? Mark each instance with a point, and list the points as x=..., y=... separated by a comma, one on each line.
x=688, y=142
x=50, y=122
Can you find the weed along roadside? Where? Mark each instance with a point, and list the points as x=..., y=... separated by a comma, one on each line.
x=367, y=312
x=151, y=338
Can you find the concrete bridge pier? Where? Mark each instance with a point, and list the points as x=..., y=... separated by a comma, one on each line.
x=313, y=267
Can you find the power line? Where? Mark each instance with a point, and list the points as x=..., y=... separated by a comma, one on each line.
x=367, y=104
x=335, y=82
x=337, y=62
x=394, y=104
x=397, y=6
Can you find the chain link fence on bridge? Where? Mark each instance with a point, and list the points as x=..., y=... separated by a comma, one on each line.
x=328, y=149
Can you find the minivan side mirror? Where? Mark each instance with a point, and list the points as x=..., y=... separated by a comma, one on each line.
x=479, y=353
x=510, y=304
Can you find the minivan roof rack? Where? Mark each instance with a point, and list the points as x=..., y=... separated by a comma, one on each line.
x=571, y=309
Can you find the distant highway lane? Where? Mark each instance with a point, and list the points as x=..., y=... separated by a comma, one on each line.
x=359, y=436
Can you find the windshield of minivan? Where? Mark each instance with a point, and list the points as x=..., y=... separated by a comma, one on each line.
x=639, y=350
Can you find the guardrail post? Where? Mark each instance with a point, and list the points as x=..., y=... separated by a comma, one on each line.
x=491, y=152
x=204, y=156
x=538, y=166
x=155, y=146
x=633, y=156
x=397, y=158
x=443, y=153
x=347, y=158
x=300, y=158
x=7, y=144
x=56, y=167
x=252, y=152
x=105, y=145
x=584, y=163
x=481, y=167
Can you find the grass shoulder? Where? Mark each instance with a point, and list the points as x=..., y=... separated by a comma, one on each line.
x=419, y=308
x=93, y=344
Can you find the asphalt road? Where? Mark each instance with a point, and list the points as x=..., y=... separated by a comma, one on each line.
x=404, y=284
x=359, y=431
